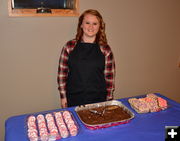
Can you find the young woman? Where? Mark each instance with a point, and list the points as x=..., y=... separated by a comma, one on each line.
x=86, y=67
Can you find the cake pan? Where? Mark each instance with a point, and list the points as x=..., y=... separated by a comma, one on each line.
x=101, y=104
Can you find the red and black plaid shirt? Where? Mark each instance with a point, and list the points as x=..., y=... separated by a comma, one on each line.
x=63, y=69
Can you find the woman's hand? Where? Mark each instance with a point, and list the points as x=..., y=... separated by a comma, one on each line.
x=63, y=103
x=109, y=98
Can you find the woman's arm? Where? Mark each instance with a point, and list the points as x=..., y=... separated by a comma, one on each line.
x=62, y=76
x=63, y=70
x=109, y=72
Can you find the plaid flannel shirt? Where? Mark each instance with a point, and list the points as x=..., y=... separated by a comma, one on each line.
x=63, y=69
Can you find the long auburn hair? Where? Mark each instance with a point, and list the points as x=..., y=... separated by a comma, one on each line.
x=100, y=36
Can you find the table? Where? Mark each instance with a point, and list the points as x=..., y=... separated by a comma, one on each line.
x=144, y=127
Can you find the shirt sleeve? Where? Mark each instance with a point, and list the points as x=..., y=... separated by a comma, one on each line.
x=63, y=72
x=109, y=72
x=63, y=68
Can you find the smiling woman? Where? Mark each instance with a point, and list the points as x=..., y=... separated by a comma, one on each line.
x=90, y=27
x=86, y=69
x=43, y=7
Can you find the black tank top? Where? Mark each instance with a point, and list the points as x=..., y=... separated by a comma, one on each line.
x=86, y=81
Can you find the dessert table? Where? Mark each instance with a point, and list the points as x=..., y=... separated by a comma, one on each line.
x=143, y=127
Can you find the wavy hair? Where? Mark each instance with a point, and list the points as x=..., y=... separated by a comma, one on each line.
x=100, y=36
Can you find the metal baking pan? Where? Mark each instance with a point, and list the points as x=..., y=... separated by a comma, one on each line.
x=91, y=107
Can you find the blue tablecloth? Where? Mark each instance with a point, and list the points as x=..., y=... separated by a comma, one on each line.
x=144, y=127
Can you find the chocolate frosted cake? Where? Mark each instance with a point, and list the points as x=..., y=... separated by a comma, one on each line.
x=103, y=114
